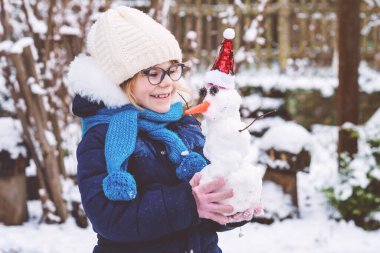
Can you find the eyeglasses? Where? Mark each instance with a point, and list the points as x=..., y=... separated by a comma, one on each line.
x=156, y=74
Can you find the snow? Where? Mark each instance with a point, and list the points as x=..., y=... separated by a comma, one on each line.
x=5, y=45
x=289, y=137
x=254, y=102
x=270, y=196
x=228, y=149
x=50, y=138
x=191, y=35
x=6, y=103
x=300, y=236
x=70, y=30
x=263, y=124
x=278, y=164
x=19, y=46
x=36, y=87
x=38, y=26
x=252, y=33
x=11, y=137
x=71, y=136
x=228, y=16
x=374, y=121
x=376, y=174
x=368, y=78
x=31, y=170
x=41, y=238
x=70, y=190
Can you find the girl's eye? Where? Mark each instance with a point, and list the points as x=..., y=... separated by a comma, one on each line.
x=153, y=73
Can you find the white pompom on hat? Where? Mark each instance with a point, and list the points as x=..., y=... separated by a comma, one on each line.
x=229, y=33
x=124, y=41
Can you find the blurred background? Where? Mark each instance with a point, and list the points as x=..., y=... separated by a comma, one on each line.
x=315, y=62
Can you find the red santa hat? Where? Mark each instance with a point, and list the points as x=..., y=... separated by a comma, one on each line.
x=222, y=72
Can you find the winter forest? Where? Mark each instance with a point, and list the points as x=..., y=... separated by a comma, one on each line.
x=308, y=72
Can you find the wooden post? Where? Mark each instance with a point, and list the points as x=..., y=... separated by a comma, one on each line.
x=171, y=19
x=246, y=23
x=209, y=33
x=178, y=24
x=287, y=181
x=49, y=35
x=238, y=32
x=284, y=34
x=7, y=29
x=348, y=12
x=269, y=40
x=188, y=25
x=156, y=10
x=367, y=37
x=303, y=28
x=324, y=32
x=198, y=28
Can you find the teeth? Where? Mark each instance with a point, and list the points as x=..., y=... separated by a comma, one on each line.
x=161, y=95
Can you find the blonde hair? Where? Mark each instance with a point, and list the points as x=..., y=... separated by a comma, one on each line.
x=128, y=87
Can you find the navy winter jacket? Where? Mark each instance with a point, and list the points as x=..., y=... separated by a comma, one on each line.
x=163, y=217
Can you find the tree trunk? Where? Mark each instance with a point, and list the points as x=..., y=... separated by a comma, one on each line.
x=4, y=21
x=348, y=12
x=39, y=126
x=284, y=34
x=156, y=10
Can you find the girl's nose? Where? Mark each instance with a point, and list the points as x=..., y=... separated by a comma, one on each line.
x=166, y=81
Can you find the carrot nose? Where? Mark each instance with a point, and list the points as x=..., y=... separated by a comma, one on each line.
x=201, y=108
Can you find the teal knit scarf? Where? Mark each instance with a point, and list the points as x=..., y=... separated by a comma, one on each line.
x=124, y=123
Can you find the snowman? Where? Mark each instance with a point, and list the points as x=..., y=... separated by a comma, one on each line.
x=226, y=147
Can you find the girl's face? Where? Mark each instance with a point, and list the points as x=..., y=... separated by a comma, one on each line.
x=157, y=98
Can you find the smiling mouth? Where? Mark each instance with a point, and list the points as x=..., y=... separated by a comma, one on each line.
x=161, y=95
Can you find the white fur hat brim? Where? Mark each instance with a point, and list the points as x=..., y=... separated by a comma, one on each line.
x=86, y=78
x=216, y=77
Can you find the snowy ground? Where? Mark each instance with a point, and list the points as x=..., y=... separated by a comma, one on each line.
x=312, y=232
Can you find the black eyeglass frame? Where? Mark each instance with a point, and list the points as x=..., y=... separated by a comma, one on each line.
x=164, y=72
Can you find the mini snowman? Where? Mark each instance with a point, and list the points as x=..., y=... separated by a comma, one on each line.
x=226, y=147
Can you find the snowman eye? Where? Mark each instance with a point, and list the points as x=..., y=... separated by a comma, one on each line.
x=202, y=92
x=213, y=90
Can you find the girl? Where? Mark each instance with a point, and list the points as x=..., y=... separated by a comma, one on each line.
x=138, y=158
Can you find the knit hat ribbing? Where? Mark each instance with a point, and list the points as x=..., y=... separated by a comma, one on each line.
x=124, y=41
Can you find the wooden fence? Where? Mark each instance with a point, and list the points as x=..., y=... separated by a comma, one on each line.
x=290, y=29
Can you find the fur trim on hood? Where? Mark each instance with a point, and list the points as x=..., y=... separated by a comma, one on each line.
x=87, y=79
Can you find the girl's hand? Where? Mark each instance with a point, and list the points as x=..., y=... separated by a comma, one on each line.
x=247, y=215
x=206, y=197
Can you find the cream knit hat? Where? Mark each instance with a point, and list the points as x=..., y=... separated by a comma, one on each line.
x=124, y=41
